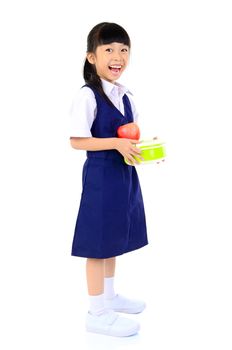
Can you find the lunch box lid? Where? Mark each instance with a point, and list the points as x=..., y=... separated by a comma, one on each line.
x=149, y=144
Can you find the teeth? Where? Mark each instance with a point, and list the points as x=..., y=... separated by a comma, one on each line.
x=115, y=66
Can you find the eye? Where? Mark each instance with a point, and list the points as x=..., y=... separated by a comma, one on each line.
x=125, y=49
x=109, y=49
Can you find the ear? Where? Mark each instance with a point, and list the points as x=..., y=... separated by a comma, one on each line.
x=90, y=57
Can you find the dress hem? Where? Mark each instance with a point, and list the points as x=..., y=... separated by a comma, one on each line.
x=107, y=256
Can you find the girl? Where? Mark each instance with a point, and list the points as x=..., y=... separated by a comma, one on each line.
x=111, y=219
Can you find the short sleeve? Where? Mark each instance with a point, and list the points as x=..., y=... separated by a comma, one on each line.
x=133, y=108
x=82, y=113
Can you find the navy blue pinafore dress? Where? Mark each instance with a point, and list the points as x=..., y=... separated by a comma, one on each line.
x=111, y=218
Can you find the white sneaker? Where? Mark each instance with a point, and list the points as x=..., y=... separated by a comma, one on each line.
x=121, y=304
x=110, y=323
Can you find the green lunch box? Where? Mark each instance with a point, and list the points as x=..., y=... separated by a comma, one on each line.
x=151, y=151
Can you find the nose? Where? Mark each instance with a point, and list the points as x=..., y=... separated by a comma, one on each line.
x=117, y=56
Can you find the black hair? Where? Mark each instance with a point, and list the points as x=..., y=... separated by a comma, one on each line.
x=102, y=34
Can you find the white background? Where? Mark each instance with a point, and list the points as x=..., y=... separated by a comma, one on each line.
x=180, y=73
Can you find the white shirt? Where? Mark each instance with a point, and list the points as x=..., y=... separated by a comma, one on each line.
x=84, y=107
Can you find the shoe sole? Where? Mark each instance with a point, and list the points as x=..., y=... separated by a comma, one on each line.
x=129, y=333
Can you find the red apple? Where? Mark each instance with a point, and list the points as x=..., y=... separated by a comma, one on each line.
x=129, y=131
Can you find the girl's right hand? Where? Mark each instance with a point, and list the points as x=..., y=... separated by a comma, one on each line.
x=127, y=149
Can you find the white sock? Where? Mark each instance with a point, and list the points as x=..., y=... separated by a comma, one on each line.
x=96, y=304
x=109, y=292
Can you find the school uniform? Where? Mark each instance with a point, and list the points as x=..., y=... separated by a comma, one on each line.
x=111, y=219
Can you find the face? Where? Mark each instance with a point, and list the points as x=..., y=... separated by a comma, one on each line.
x=110, y=60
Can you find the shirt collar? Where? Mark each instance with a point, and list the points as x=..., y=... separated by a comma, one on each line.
x=114, y=89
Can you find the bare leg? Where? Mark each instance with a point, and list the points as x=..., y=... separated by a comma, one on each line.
x=95, y=276
x=110, y=267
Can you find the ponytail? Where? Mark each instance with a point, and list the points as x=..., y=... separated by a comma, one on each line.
x=90, y=75
x=93, y=80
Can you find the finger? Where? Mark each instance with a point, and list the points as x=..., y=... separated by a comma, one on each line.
x=137, y=155
x=134, y=159
x=136, y=150
x=137, y=159
x=130, y=160
x=134, y=141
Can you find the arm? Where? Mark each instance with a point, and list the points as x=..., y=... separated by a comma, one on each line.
x=125, y=146
x=93, y=143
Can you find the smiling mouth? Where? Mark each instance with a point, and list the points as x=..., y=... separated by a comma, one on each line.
x=115, y=68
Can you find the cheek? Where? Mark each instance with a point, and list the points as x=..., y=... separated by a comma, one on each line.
x=105, y=64
x=126, y=59
x=100, y=65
